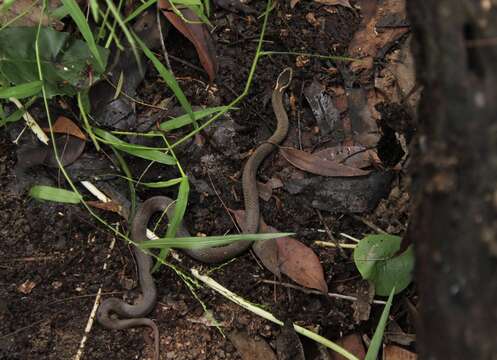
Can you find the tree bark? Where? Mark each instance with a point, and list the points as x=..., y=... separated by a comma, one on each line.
x=454, y=223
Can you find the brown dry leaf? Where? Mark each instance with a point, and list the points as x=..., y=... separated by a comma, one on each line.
x=288, y=256
x=250, y=348
x=293, y=3
x=107, y=206
x=392, y=352
x=356, y=156
x=319, y=166
x=369, y=40
x=345, y=3
x=64, y=125
x=197, y=33
x=26, y=287
x=265, y=190
x=353, y=344
x=33, y=12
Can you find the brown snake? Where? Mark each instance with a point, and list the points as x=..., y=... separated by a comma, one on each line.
x=134, y=315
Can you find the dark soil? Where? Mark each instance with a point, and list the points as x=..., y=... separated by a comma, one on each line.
x=52, y=256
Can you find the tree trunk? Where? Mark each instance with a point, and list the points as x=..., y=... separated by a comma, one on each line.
x=454, y=223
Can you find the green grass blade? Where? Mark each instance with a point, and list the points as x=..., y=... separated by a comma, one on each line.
x=135, y=150
x=21, y=91
x=161, y=184
x=169, y=79
x=139, y=10
x=177, y=218
x=79, y=18
x=50, y=193
x=94, y=9
x=374, y=347
x=208, y=241
x=184, y=120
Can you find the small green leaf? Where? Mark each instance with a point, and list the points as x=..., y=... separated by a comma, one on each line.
x=375, y=260
x=50, y=193
x=21, y=91
x=374, y=347
x=208, y=241
x=184, y=120
x=139, y=10
x=135, y=150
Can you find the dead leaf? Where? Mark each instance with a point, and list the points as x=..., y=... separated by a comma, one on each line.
x=26, y=287
x=197, y=33
x=265, y=190
x=356, y=156
x=107, y=206
x=64, y=125
x=353, y=344
x=316, y=165
x=32, y=11
x=365, y=296
x=293, y=3
x=392, y=352
x=288, y=344
x=288, y=256
x=250, y=348
x=345, y=3
x=369, y=40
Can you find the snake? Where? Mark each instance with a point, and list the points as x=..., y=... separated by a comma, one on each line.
x=135, y=315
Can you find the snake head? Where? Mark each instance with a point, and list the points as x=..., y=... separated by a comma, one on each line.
x=284, y=79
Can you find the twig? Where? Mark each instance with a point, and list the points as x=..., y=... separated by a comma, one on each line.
x=370, y=224
x=310, y=291
x=222, y=202
x=163, y=45
x=91, y=319
x=335, y=245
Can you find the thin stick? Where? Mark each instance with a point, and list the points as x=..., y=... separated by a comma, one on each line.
x=330, y=244
x=91, y=319
x=310, y=291
x=370, y=224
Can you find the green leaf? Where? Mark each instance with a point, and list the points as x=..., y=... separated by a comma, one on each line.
x=161, y=184
x=374, y=347
x=21, y=91
x=184, y=120
x=50, y=193
x=136, y=150
x=66, y=64
x=375, y=260
x=80, y=20
x=194, y=242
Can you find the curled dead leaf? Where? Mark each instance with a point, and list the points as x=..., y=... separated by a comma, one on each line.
x=288, y=256
x=319, y=166
x=195, y=31
x=64, y=125
x=107, y=206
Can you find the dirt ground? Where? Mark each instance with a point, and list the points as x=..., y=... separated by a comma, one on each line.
x=52, y=256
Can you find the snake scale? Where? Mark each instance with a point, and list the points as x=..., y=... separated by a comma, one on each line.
x=134, y=315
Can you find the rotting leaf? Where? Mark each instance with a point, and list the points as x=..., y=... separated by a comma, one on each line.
x=111, y=206
x=250, y=348
x=368, y=41
x=392, y=352
x=353, y=344
x=64, y=125
x=195, y=31
x=29, y=13
x=288, y=256
x=319, y=166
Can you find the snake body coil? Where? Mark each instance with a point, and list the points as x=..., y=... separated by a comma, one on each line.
x=134, y=315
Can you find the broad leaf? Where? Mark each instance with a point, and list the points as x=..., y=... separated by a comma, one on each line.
x=376, y=259
x=68, y=66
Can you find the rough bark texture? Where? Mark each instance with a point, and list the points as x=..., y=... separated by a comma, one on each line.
x=454, y=226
